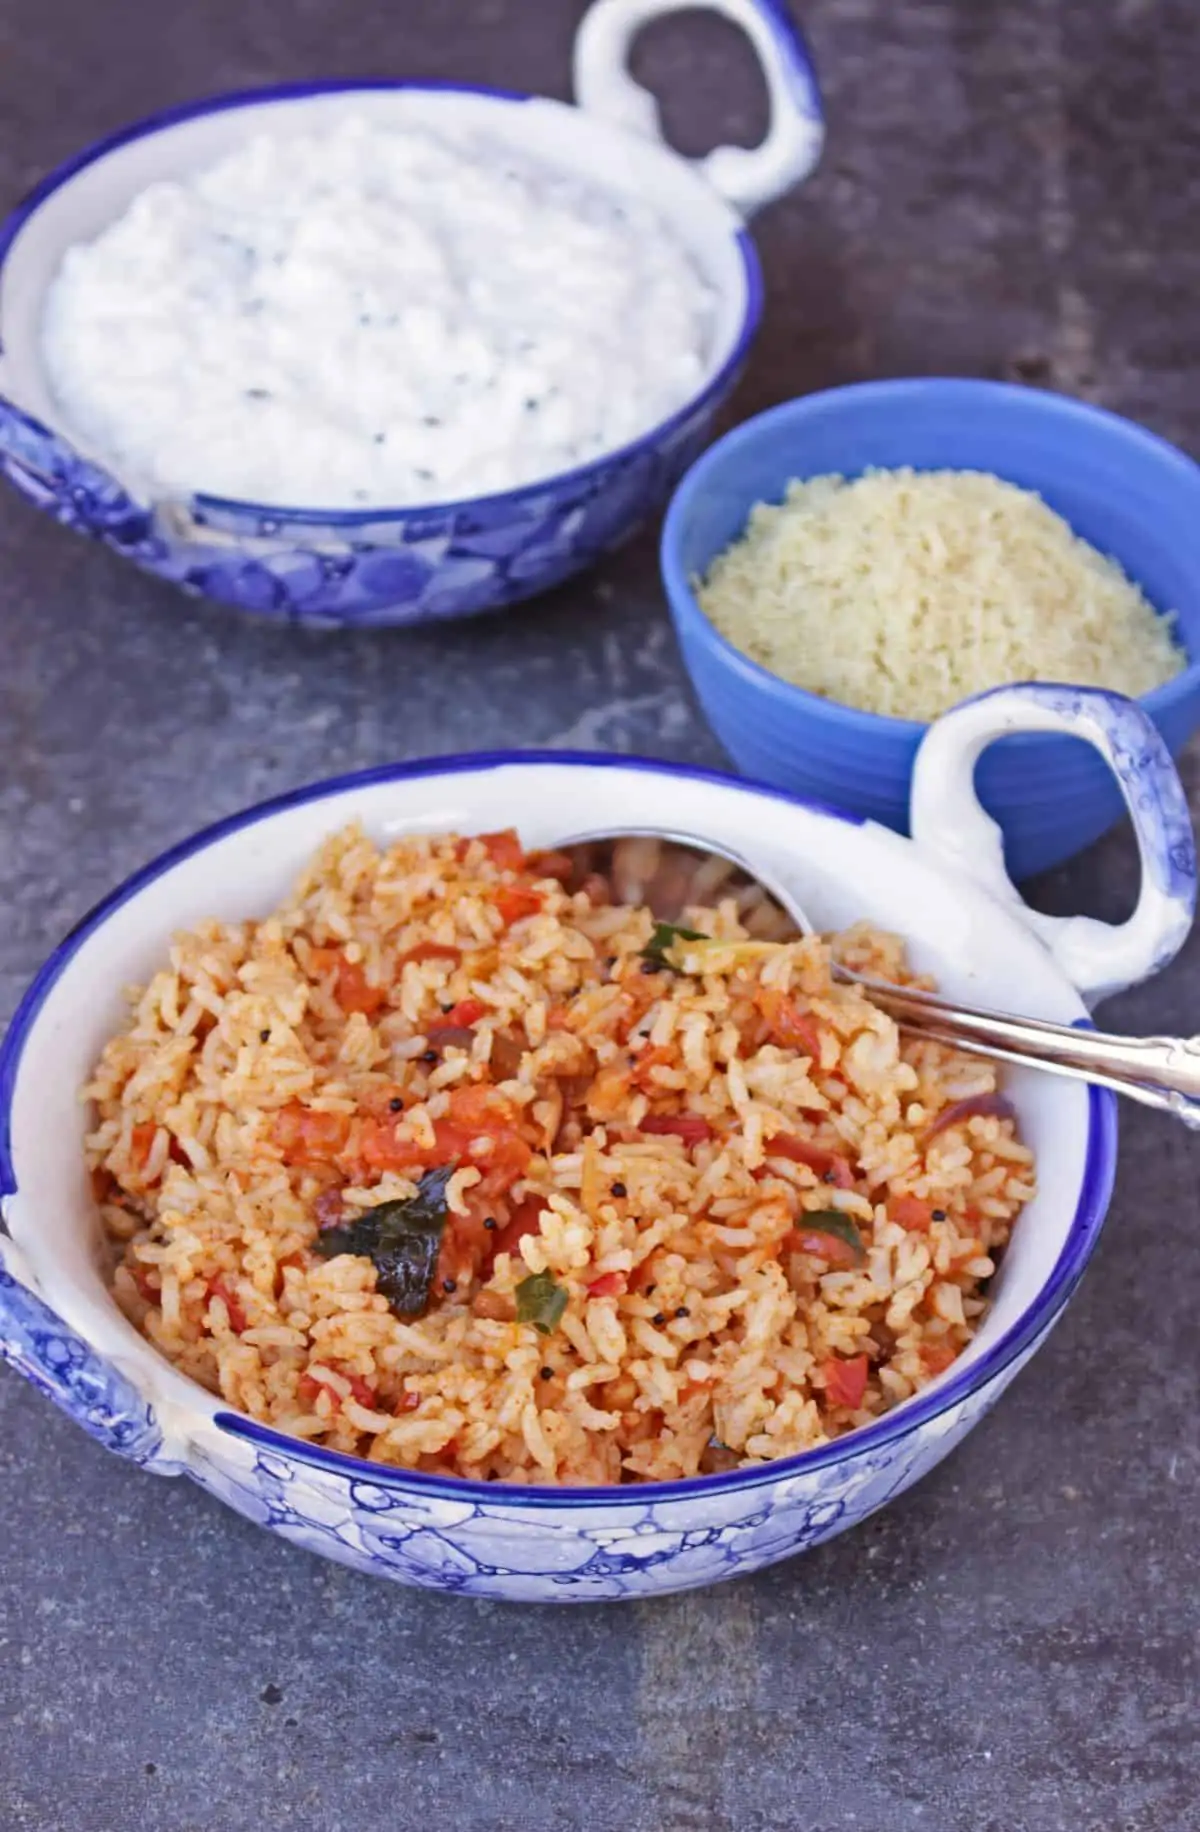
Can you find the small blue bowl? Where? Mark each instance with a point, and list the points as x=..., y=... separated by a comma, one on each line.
x=1127, y=492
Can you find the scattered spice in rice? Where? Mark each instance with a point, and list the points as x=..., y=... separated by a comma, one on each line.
x=450, y=1167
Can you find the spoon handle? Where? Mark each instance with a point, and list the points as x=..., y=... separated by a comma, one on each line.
x=1158, y=1071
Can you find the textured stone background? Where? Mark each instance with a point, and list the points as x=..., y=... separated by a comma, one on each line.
x=1012, y=187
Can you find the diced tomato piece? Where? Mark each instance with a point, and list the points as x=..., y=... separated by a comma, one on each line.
x=354, y=992
x=407, y=1402
x=148, y=1280
x=845, y=1380
x=515, y=902
x=308, y=1138
x=309, y=1387
x=378, y=1148
x=289, y=1260
x=429, y=951
x=827, y=1164
x=525, y=1219
x=351, y=988
x=789, y=1026
x=608, y=1285
x=686, y=1126
x=937, y=1356
x=362, y=1390
x=911, y=1213
x=389, y=1100
x=142, y=1143
x=644, y=1275
x=608, y=1094
x=504, y=849
x=476, y=1106
x=476, y=1112
x=329, y=1208
x=508, y=1161
x=837, y=1253
x=217, y=1288
x=558, y=865
x=466, y=1013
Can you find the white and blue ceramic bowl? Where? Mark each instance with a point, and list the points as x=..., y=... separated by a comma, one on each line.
x=945, y=890
x=1129, y=493
x=442, y=560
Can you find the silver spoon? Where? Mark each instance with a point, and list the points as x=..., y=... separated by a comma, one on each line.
x=667, y=872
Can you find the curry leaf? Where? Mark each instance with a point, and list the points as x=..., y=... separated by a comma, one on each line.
x=540, y=1302
x=664, y=938
x=402, y=1240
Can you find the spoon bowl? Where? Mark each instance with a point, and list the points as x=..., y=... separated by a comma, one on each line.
x=670, y=873
x=667, y=873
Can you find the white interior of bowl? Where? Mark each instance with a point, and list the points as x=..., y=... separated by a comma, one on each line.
x=551, y=132
x=843, y=872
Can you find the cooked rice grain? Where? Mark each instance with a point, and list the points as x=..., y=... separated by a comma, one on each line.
x=716, y=1331
x=901, y=592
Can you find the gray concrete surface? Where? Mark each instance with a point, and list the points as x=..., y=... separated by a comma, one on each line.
x=1010, y=189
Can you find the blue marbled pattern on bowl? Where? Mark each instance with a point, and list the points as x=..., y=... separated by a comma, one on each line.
x=507, y=1544
x=414, y=566
x=497, y=1540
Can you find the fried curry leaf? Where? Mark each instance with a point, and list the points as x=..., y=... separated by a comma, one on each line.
x=832, y=1221
x=664, y=938
x=402, y=1240
x=540, y=1302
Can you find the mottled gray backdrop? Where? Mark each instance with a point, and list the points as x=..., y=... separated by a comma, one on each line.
x=1012, y=188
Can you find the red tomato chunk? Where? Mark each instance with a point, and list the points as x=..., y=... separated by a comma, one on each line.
x=608, y=1285
x=465, y=1013
x=309, y=1388
x=217, y=1288
x=515, y=902
x=830, y=1165
x=911, y=1213
x=686, y=1126
x=308, y=1138
x=845, y=1381
x=791, y=1028
x=504, y=849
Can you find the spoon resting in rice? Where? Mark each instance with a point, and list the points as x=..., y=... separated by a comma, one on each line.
x=669, y=872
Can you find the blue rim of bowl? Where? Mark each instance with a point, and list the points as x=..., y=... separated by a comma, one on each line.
x=686, y=609
x=200, y=503
x=1091, y=1206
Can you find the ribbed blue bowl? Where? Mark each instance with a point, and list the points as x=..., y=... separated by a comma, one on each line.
x=1129, y=493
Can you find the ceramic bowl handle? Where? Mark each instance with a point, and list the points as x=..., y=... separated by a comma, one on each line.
x=746, y=177
x=47, y=469
x=67, y=1370
x=948, y=822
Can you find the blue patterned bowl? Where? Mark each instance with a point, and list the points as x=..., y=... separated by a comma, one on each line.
x=59, y=1326
x=1129, y=493
x=444, y=560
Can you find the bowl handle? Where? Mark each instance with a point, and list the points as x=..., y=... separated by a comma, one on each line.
x=81, y=494
x=746, y=177
x=68, y=1370
x=948, y=822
